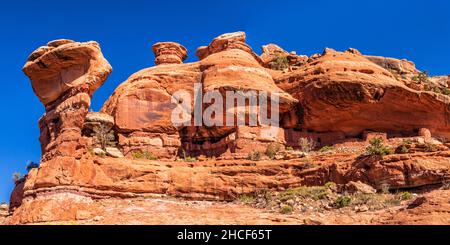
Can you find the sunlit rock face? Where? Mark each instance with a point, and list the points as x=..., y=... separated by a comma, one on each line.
x=339, y=99
x=142, y=105
x=349, y=93
x=64, y=75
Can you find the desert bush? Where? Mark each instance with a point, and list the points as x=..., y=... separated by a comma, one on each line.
x=422, y=77
x=330, y=185
x=254, y=156
x=289, y=148
x=385, y=187
x=188, y=158
x=446, y=91
x=377, y=147
x=247, y=199
x=405, y=195
x=403, y=147
x=143, y=155
x=429, y=147
x=104, y=136
x=286, y=209
x=313, y=192
x=272, y=150
x=326, y=149
x=280, y=62
x=342, y=201
x=306, y=144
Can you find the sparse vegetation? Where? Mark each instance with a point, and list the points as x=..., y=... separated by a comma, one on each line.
x=446, y=185
x=289, y=148
x=446, y=91
x=342, y=201
x=403, y=148
x=104, y=136
x=330, y=185
x=405, y=195
x=429, y=147
x=272, y=149
x=247, y=199
x=422, y=77
x=314, y=192
x=286, y=209
x=377, y=147
x=143, y=155
x=188, y=158
x=306, y=144
x=326, y=149
x=280, y=62
x=384, y=188
x=320, y=198
x=254, y=156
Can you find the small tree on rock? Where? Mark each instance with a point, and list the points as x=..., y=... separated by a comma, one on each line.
x=104, y=136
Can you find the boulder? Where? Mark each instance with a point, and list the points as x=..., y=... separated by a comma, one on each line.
x=359, y=187
x=113, y=152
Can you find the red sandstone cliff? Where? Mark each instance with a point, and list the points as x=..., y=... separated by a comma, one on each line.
x=339, y=99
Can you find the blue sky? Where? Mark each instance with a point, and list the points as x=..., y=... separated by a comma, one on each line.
x=415, y=30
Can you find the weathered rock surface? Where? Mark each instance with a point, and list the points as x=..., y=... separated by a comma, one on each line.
x=346, y=92
x=4, y=212
x=343, y=99
x=64, y=75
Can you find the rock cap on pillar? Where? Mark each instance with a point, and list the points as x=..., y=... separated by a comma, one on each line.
x=234, y=40
x=169, y=53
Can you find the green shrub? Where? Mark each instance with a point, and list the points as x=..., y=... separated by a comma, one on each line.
x=405, y=195
x=330, y=185
x=254, y=156
x=326, y=149
x=446, y=91
x=289, y=148
x=306, y=144
x=143, y=155
x=429, y=147
x=342, y=201
x=422, y=77
x=280, y=62
x=403, y=148
x=377, y=147
x=247, y=199
x=190, y=159
x=104, y=136
x=286, y=209
x=313, y=192
x=272, y=150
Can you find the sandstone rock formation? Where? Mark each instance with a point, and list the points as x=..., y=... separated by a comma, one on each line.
x=64, y=75
x=132, y=148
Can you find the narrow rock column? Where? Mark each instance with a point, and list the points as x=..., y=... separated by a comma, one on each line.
x=64, y=74
x=169, y=53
